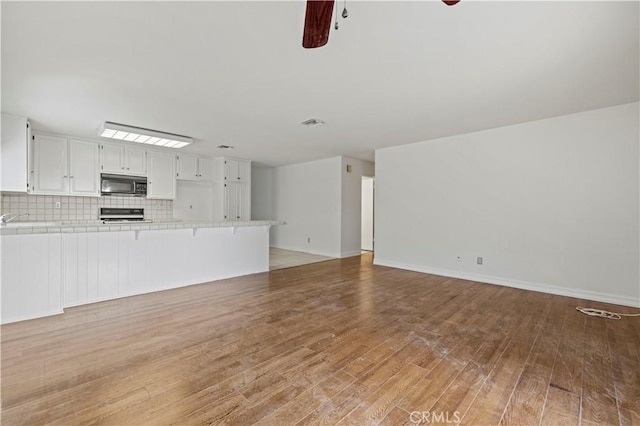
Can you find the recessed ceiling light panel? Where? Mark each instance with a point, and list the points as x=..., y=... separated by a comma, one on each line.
x=142, y=135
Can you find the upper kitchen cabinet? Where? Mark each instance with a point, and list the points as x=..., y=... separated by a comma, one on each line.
x=194, y=168
x=16, y=133
x=237, y=170
x=161, y=179
x=123, y=159
x=65, y=166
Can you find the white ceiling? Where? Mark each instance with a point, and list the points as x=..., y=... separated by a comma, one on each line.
x=235, y=72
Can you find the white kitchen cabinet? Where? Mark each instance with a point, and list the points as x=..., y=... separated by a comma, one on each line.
x=50, y=165
x=237, y=170
x=31, y=276
x=232, y=189
x=65, y=167
x=123, y=159
x=237, y=201
x=161, y=180
x=84, y=159
x=194, y=168
x=14, y=145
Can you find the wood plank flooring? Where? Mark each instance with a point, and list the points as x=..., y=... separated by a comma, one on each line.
x=338, y=342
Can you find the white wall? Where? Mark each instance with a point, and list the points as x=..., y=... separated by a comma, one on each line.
x=318, y=200
x=261, y=193
x=550, y=205
x=367, y=214
x=194, y=201
x=307, y=196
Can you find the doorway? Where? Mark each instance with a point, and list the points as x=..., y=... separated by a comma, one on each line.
x=367, y=237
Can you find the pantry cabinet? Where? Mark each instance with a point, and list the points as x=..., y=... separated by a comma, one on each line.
x=237, y=201
x=123, y=159
x=232, y=189
x=65, y=166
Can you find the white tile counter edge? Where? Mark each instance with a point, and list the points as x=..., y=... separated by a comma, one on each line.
x=148, y=226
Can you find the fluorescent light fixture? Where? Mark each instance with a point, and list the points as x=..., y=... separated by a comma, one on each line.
x=112, y=130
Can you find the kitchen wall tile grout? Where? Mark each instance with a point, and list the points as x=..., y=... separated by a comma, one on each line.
x=42, y=207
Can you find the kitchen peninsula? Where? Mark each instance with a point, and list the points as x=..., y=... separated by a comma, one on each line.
x=48, y=267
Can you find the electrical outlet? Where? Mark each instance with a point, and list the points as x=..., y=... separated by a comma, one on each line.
x=57, y=204
x=479, y=260
x=459, y=258
x=308, y=239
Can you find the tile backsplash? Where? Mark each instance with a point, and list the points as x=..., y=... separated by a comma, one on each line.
x=43, y=207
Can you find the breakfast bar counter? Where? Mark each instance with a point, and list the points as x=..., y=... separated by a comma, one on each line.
x=48, y=267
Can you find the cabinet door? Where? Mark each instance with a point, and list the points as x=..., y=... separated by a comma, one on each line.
x=187, y=167
x=112, y=160
x=232, y=200
x=231, y=170
x=13, y=153
x=244, y=171
x=237, y=201
x=244, y=201
x=50, y=165
x=206, y=168
x=162, y=176
x=84, y=173
x=136, y=161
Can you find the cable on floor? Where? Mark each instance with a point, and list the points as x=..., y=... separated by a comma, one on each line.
x=604, y=314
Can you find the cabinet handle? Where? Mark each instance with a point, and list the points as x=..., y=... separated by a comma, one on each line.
x=238, y=177
x=64, y=177
x=122, y=167
x=71, y=177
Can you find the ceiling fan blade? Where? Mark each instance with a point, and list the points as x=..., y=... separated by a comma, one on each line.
x=317, y=23
x=450, y=2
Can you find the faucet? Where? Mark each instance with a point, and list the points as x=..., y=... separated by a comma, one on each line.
x=8, y=217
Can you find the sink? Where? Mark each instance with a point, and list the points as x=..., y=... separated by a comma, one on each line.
x=28, y=224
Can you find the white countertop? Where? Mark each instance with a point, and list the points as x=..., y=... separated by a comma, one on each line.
x=20, y=228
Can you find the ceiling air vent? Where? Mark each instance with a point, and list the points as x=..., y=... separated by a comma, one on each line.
x=313, y=122
x=225, y=147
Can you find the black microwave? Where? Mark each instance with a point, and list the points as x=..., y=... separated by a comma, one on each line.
x=128, y=186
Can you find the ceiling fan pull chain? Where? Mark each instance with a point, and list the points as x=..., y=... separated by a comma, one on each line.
x=344, y=11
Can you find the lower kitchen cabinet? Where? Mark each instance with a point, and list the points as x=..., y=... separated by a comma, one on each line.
x=31, y=276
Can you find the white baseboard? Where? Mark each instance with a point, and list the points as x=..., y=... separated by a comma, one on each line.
x=306, y=250
x=524, y=285
x=30, y=317
x=351, y=253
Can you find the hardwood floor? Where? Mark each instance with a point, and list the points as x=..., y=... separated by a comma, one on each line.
x=338, y=342
x=280, y=258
